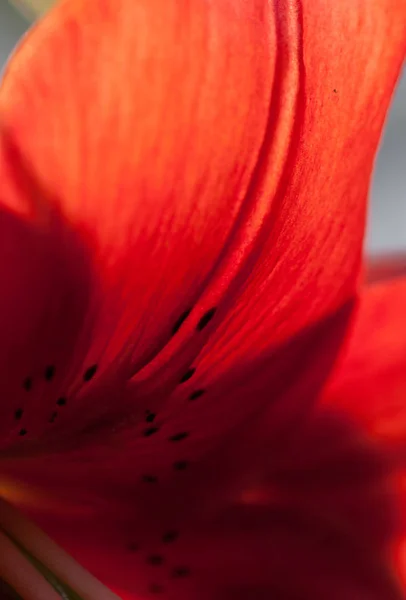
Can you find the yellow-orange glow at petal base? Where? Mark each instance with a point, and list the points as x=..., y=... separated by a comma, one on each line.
x=18, y=493
x=34, y=566
x=26, y=496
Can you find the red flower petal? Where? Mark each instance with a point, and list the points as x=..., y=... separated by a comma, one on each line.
x=43, y=272
x=283, y=286
x=305, y=260
x=136, y=457
x=263, y=223
x=369, y=384
x=320, y=499
x=311, y=270
x=146, y=144
x=282, y=552
x=144, y=120
x=369, y=389
x=316, y=503
x=276, y=496
x=308, y=256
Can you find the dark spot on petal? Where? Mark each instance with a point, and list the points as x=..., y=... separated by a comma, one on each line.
x=18, y=414
x=150, y=417
x=61, y=401
x=155, y=560
x=53, y=417
x=90, y=373
x=133, y=547
x=189, y=373
x=169, y=537
x=27, y=383
x=206, y=318
x=335, y=91
x=22, y=432
x=156, y=588
x=150, y=431
x=178, y=437
x=196, y=394
x=49, y=372
x=181, y=572
x=149, y=478
x=180, y=465
x=180, y=321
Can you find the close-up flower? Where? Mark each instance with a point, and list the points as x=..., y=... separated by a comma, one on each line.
x=202, y=380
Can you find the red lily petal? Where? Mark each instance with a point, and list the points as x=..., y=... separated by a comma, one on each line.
x=229, y=522
x=147, y=141
x=317, y=504
x=166, y=220
x=324, y=502
x=146, y=145
x=369, y=383
x=165, y=447
x=318, y=500
x=385, y=267
x=221, y=528
x=369, y=387
x=43, y=272
x=308, y=261
x=283, y=286
x=305, y=260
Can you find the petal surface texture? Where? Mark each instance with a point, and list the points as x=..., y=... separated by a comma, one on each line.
x=183, y=206
x=368, y=388
x=140, y=125
x=215, y=163
x=325, y=499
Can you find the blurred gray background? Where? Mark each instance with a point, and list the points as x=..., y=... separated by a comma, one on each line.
x=387, y=217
